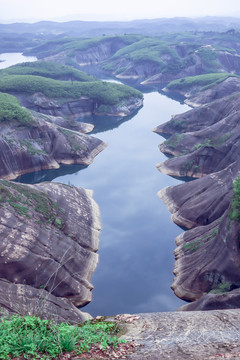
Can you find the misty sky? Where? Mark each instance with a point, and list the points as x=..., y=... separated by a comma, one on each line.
x=63, y=10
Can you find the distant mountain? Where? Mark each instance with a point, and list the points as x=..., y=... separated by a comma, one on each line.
x=148, y=27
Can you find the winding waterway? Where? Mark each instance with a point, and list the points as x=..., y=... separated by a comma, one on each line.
x=136, y=258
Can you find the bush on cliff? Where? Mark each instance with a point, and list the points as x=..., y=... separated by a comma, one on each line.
x=10, y=109
x=235, y=204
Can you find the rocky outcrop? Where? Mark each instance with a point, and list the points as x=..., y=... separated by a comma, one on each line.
x=204, y=144
x=176, y=335
x=75, y=109
x=207, y=140
x=49, y=238
x=42, y=144
x=91, y=54
x=197, y=96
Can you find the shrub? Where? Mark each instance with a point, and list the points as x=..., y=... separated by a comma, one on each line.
x=10, y=109
x=235, y=204
x=32, y=337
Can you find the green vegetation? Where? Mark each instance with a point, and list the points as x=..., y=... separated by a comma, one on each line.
x=174, y=141
x=73, y=140
x=10, y=109
x=71, y=45
x=178, y=124
x=47, y=69
x=205, y=81
x=221, y=288
x=196, y=244
x=208, y=56
x=99, y=91
x=235, y=204
x=152, y=50
x=30, y=203
x=31, y=149
x=189, y=165
x=33, y=338
x=216, y=141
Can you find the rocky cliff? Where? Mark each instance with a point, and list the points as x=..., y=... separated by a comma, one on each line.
x=42, y=144
x=49, y=238
x=203, y=144
x=80, y=108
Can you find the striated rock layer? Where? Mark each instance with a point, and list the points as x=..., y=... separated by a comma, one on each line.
x=49, y=238
x=43, y=144
x=175, y=335
x=204, y=144
x=80, y=108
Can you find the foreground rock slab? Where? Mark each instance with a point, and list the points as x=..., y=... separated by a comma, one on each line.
x=198, y=335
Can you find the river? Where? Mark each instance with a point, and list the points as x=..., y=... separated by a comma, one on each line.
x=136, y=258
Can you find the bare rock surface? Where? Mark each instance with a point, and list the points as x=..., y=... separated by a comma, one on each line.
x=77, y=108
x=43, y=144
x=49, y=238
x=198, y=335
x=25, y=300
x=204, y=144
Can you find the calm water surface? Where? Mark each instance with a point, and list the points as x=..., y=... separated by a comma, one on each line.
x=136, y=258
x=9, y=59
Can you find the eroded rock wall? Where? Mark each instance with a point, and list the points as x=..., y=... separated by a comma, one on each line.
x=49, y=237
x=204, y=144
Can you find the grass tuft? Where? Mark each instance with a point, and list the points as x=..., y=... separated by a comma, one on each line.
x=34, y=338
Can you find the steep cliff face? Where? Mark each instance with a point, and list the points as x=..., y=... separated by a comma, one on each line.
x=80, y=108
x=204, y=140
x=204, y=144
x=49, y=238
x=44, y=145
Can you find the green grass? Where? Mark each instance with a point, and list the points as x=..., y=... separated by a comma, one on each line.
x=235, y=203
x=11, y=110
x=99, y=91
x=205, y=81
x=47, y=69
x=33, y=338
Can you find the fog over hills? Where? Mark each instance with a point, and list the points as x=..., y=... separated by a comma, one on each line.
x=148, y=27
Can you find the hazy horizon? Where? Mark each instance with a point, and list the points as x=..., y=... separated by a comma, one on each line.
x=106, y=10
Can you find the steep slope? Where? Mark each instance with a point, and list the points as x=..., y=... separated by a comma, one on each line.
x=204, y=144
x=49, y=238
x=31, y=141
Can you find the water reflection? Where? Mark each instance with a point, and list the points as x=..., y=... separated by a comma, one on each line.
x=49, y=175
x=105, y=123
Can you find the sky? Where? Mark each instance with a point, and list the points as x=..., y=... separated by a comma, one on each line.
x=106, y=10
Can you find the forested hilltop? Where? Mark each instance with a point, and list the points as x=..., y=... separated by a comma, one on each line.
x=147, y=60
